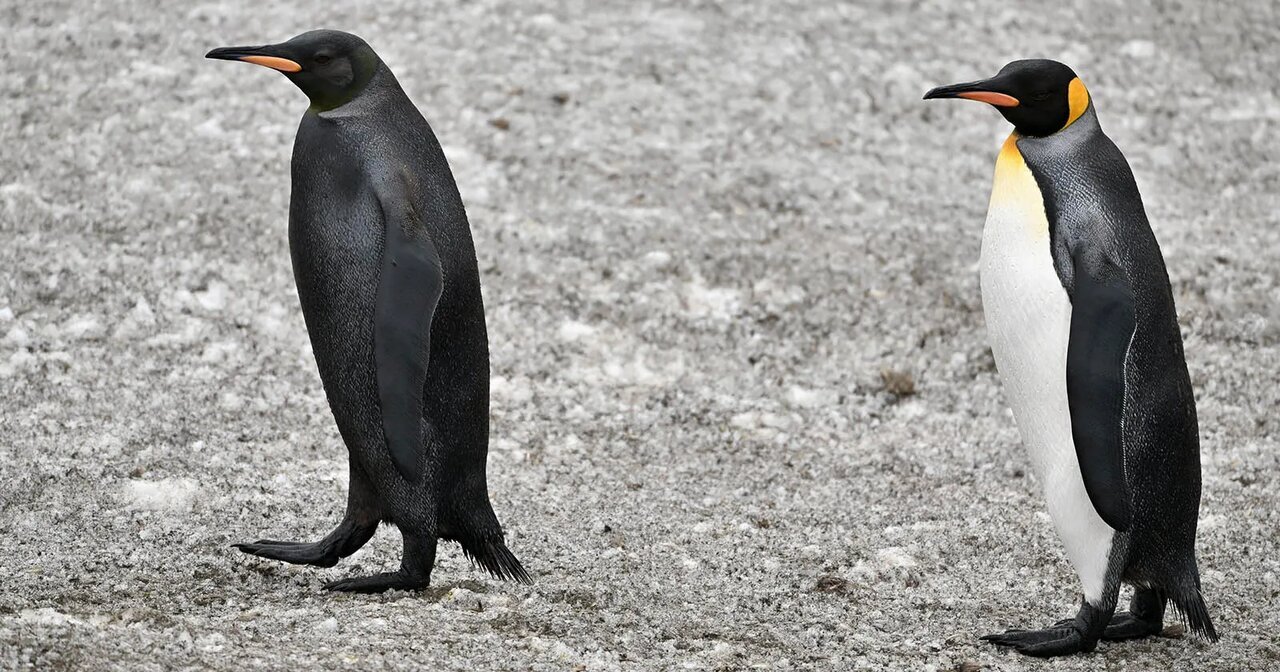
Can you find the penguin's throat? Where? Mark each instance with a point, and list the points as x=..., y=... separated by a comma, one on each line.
x=327, y=101
x=332, y=99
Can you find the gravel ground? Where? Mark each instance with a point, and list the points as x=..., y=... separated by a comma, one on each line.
x=743, y=410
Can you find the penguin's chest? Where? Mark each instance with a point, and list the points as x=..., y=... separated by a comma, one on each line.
x=335, y=241
x=1028, y=315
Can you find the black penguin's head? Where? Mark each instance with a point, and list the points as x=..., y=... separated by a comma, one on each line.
x=1039, y=97
x=330, y=66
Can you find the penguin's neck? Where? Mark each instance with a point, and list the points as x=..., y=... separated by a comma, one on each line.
x=1073, y=136
x=381, y=87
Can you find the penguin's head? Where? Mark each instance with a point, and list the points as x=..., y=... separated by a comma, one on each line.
x=1039, y=97
x=330, y=66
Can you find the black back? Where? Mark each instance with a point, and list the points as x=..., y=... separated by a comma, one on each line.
x=337, y=241
x=1098, y=227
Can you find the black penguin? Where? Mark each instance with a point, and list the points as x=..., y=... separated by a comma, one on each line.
x=1082, y=325
x=386, y=272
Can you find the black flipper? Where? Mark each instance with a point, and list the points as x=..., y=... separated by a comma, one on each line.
x=409, y=288
x=1103, y=319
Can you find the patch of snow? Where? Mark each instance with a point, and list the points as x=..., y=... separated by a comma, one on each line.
x=1138, y=49
x=18, y=361
x=47, y=616
x=168, y=494
x=636, y=372
x=804, y=398
x=135, y=323
x=214, y=297
x=719, y=303
x=17, y=336
x=894, y=556
x=573, y=331
x=514, y=392
x=84, y=327
x=657, y=259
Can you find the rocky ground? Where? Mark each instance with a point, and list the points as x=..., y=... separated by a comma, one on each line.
x=743, y=411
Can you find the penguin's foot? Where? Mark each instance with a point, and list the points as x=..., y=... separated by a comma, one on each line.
x=1126, y=625
x=1144, y=618
x=319, y=554
x=1076, y=635
x=415, y=568
x=1059, y=640
x=379, y=583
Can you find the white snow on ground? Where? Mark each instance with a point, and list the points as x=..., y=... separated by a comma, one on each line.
x=168, y=494
x=720, y=303
x=576, y=331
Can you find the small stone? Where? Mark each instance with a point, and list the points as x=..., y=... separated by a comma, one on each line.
x=898, y=383
x=832, y=584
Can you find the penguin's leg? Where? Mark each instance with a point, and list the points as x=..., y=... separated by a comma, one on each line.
x=1144, y=618
x=357, y=527
x=415, y=569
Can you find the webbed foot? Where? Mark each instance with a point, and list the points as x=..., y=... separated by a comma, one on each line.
x=1077, y=635
x=379, y=583
x=1144, y=618
x=1053, y=641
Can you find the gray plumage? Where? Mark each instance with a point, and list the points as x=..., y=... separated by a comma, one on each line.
x=1132, y=406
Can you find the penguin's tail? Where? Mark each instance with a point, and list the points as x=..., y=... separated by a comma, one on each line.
x=1188, y=601
x=494, y=556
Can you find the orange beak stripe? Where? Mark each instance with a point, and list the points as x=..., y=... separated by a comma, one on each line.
x=997, y=99
x=273, y=62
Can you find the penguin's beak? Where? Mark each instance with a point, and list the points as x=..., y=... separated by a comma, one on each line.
x=264, y=56
x=985, y=91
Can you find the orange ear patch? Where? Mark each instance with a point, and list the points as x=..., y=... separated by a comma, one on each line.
x=997, y=99
x=1077, y=99
x=273, y=62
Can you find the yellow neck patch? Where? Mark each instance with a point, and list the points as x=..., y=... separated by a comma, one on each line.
x=1017, y=207
x=1078, y=99
x=1010, y=158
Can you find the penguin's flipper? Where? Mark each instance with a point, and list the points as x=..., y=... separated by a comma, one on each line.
x=409, y=288
x=1103, y=319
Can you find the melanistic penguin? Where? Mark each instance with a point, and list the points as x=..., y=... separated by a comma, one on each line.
x=386, y=273
x=1082, y=325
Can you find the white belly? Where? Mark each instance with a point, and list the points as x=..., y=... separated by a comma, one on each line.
x=1028, y=319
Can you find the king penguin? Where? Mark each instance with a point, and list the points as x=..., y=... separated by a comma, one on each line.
x=1081, y=322
x=386, y=273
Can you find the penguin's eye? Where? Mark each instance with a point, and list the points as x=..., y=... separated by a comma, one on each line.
x=1042, y=96
x=321, y=59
